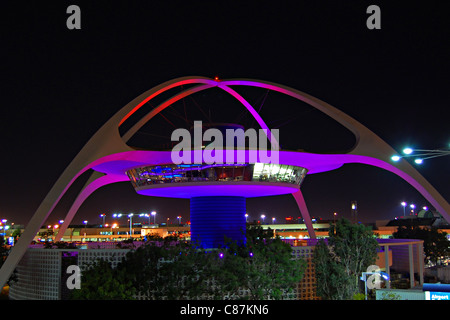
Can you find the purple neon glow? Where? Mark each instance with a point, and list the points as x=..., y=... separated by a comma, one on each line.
x=114, y=161
x=93, y=186
x=119, y=163
x=246, y=189
x=315, y=163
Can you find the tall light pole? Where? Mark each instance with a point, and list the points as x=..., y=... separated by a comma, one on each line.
x=273, y=220
x=246, y=217
x=131, y=223
x=354, y=211
x=412, y=206
x=263, y=217
x=153, y=213
x=103, y=215
x=85, y=223
x=404, y=207
x=179, y=220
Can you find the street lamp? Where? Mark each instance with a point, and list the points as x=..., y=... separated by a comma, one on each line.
x=408, y=151
x=404, y=207
x=179, y=220
x=103, y=215
x=85, y=223
x=420, y=154
x=263, y=217
x=246, y=217
x=153, y=213
x=145, y=215
x=412, y=206
x=131, y=223
x=273, y=220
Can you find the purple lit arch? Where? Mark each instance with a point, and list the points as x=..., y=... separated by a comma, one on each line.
x=109, y=156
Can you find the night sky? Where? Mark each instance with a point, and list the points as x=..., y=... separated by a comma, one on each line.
x=59, y=86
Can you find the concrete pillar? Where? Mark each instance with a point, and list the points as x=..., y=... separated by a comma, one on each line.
x=411, y=265
x=420, y=255
x=387, y=269
x=298, y=196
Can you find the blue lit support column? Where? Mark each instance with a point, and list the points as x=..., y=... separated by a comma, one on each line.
x=214, y=218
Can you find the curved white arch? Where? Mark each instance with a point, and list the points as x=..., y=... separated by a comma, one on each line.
x=106, y=143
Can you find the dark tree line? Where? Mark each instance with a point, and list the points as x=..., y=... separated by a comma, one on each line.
x=263, y=268
x=351, y=248
x=436, y=246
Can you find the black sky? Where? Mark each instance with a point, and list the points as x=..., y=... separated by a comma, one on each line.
x=59, y=86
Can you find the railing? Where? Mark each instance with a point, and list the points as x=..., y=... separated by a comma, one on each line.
x=303, y=242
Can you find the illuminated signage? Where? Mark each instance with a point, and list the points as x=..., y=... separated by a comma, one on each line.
x=431, y=295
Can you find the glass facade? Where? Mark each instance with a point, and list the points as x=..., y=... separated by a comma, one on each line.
x=172, y=173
